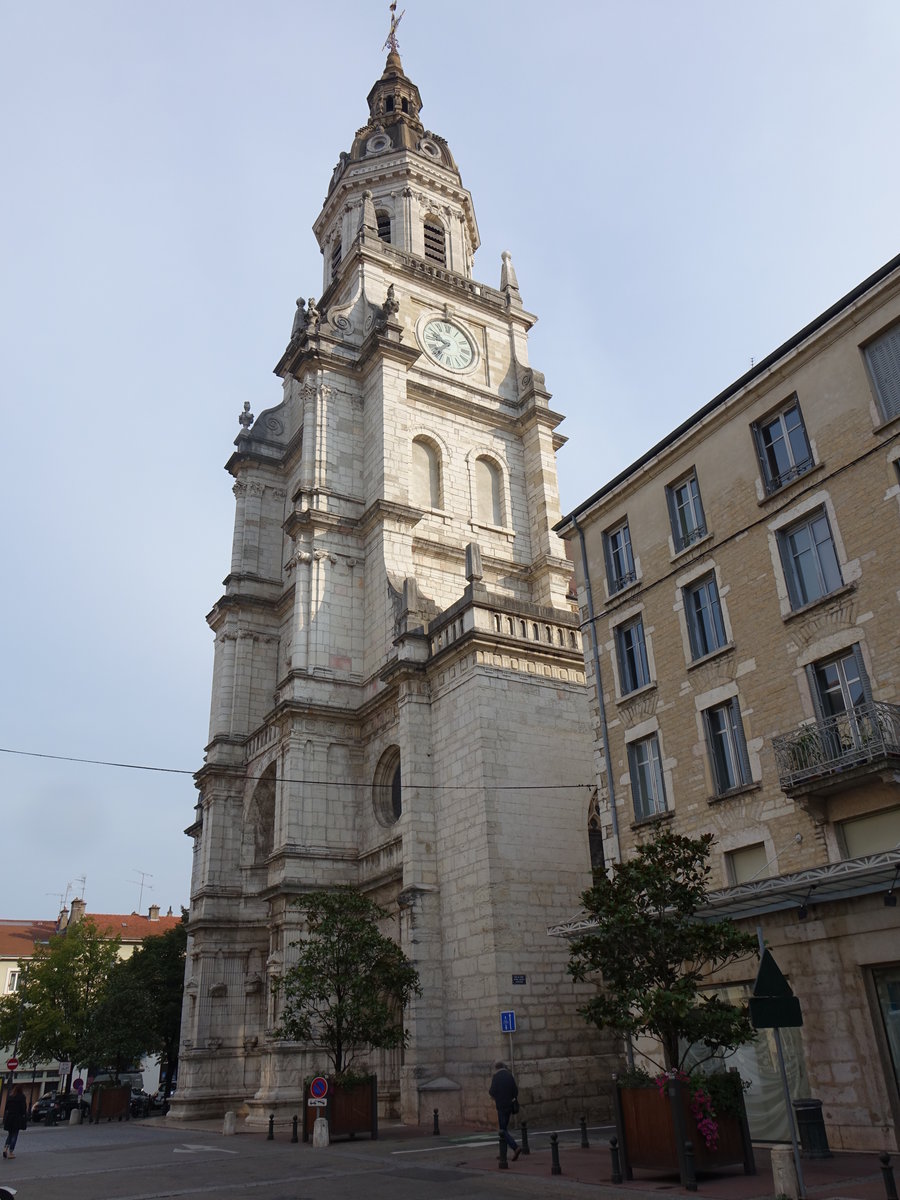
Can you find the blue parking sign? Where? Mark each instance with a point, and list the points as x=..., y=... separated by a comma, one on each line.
x=508, y=1022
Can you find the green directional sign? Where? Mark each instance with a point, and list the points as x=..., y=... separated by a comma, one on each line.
x=773, y=1004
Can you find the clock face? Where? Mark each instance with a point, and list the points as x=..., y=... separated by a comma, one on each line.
x=447, y=344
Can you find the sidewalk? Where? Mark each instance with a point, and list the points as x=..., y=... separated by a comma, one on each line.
x=849, y=1176
x=844, y=1176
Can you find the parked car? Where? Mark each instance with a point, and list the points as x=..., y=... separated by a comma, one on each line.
x=54, y=1107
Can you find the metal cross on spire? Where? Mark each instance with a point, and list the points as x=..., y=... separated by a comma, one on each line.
x=390, y=42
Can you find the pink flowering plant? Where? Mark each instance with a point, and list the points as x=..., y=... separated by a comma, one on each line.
x=701, y=1103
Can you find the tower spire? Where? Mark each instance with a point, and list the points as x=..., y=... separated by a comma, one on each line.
x=390, y=42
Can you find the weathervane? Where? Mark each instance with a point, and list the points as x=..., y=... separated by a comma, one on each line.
x=390, y=42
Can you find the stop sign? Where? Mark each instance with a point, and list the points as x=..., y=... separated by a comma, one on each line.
x=12, y=1064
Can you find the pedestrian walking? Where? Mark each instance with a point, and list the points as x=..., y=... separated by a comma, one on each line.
x=15, y=1118
x=504, y=1092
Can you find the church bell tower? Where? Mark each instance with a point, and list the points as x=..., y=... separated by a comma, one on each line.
x=398, y=698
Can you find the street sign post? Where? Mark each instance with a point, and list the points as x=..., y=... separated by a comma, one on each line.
x=12, y=1064
x=319, y=1088
x=508, y=1022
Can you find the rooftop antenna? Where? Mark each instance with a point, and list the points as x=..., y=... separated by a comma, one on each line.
x=390, y=42
x=82, y=879
x=60, y=897
x=149, y=886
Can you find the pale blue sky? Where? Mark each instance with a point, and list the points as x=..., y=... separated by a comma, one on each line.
x=682, y=187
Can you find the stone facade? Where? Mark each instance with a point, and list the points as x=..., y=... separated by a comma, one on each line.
x=398, y=699
x=742, y=581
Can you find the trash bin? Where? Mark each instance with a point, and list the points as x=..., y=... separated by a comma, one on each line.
x=811, y=1128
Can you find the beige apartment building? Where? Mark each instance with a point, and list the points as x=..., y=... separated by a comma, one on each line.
x=741, y=580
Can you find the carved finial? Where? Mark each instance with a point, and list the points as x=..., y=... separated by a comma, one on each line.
x=390, y=42
x=391, y=304
x=368, y=222
x=246, y=417
x=508, y=280
x=474, y=571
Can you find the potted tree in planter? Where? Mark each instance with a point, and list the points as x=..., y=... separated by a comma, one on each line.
x=652, y=953
x=345, y=995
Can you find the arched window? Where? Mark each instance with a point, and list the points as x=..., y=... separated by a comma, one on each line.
x=384, y=225
x=335, y=257
x=262, y=815
x=488, y=492
x=435, y=241
x=387, y=799
x=389, y=104
x=426, y=474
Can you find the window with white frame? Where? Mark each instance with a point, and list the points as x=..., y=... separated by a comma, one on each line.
x=631, y=652
x=12, y=981
x=782, y=446
x=811, y=568
x=686, y=511
x=648, y=789
x=883, y=361
x=703, y=613
x=727, y=748
x=619, y=558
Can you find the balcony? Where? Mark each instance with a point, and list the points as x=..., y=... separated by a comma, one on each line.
x=840, y=752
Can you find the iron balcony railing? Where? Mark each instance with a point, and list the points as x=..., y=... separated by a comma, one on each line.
x=866, y=733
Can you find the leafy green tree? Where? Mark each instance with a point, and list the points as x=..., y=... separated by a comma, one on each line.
x=348, y=989
x=157, y=971
x=117, y=1034
x=62, y=985
x=654, y=953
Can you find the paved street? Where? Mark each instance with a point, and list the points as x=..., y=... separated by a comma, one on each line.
x=151, y=1160
x=147, y=1160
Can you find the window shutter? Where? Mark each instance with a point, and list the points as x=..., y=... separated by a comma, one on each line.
x=883, y=357
x=711, y=753
x=673, y=519
x=741, y=742
x=787, y=565
x=813, y=685
x=761, y=455
x=863, y=674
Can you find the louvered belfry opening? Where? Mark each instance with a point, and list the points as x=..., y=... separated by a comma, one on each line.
x=435, y=243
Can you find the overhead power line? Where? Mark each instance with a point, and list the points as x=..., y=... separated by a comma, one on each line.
x=345, y=783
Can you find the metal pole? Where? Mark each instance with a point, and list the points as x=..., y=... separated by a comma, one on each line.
x=785, y=1088
x=512, y=1060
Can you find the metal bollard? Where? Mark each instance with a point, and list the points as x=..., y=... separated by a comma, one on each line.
x=690, y=1172
x=294, y=1128
x=887, y=1174
x=436, y=1131
x=504, y=1165
x=555, y=1168
x=270, y=1136
x=616, y=1176
x=585, y=1144
x=526, y=1149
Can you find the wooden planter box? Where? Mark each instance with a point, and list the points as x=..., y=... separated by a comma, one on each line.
x=652, y=1128
x=110, y=1102
x=349, y=1110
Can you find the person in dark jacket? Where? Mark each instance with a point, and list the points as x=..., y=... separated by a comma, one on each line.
x=504, y=1092
x=14, y=1118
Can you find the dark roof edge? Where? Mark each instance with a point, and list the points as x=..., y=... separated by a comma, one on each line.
x=760, y=367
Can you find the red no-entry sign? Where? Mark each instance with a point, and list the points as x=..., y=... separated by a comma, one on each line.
x=12, y=1064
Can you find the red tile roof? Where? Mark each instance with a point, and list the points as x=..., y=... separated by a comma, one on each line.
x=131, y=927
x=17, y=938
